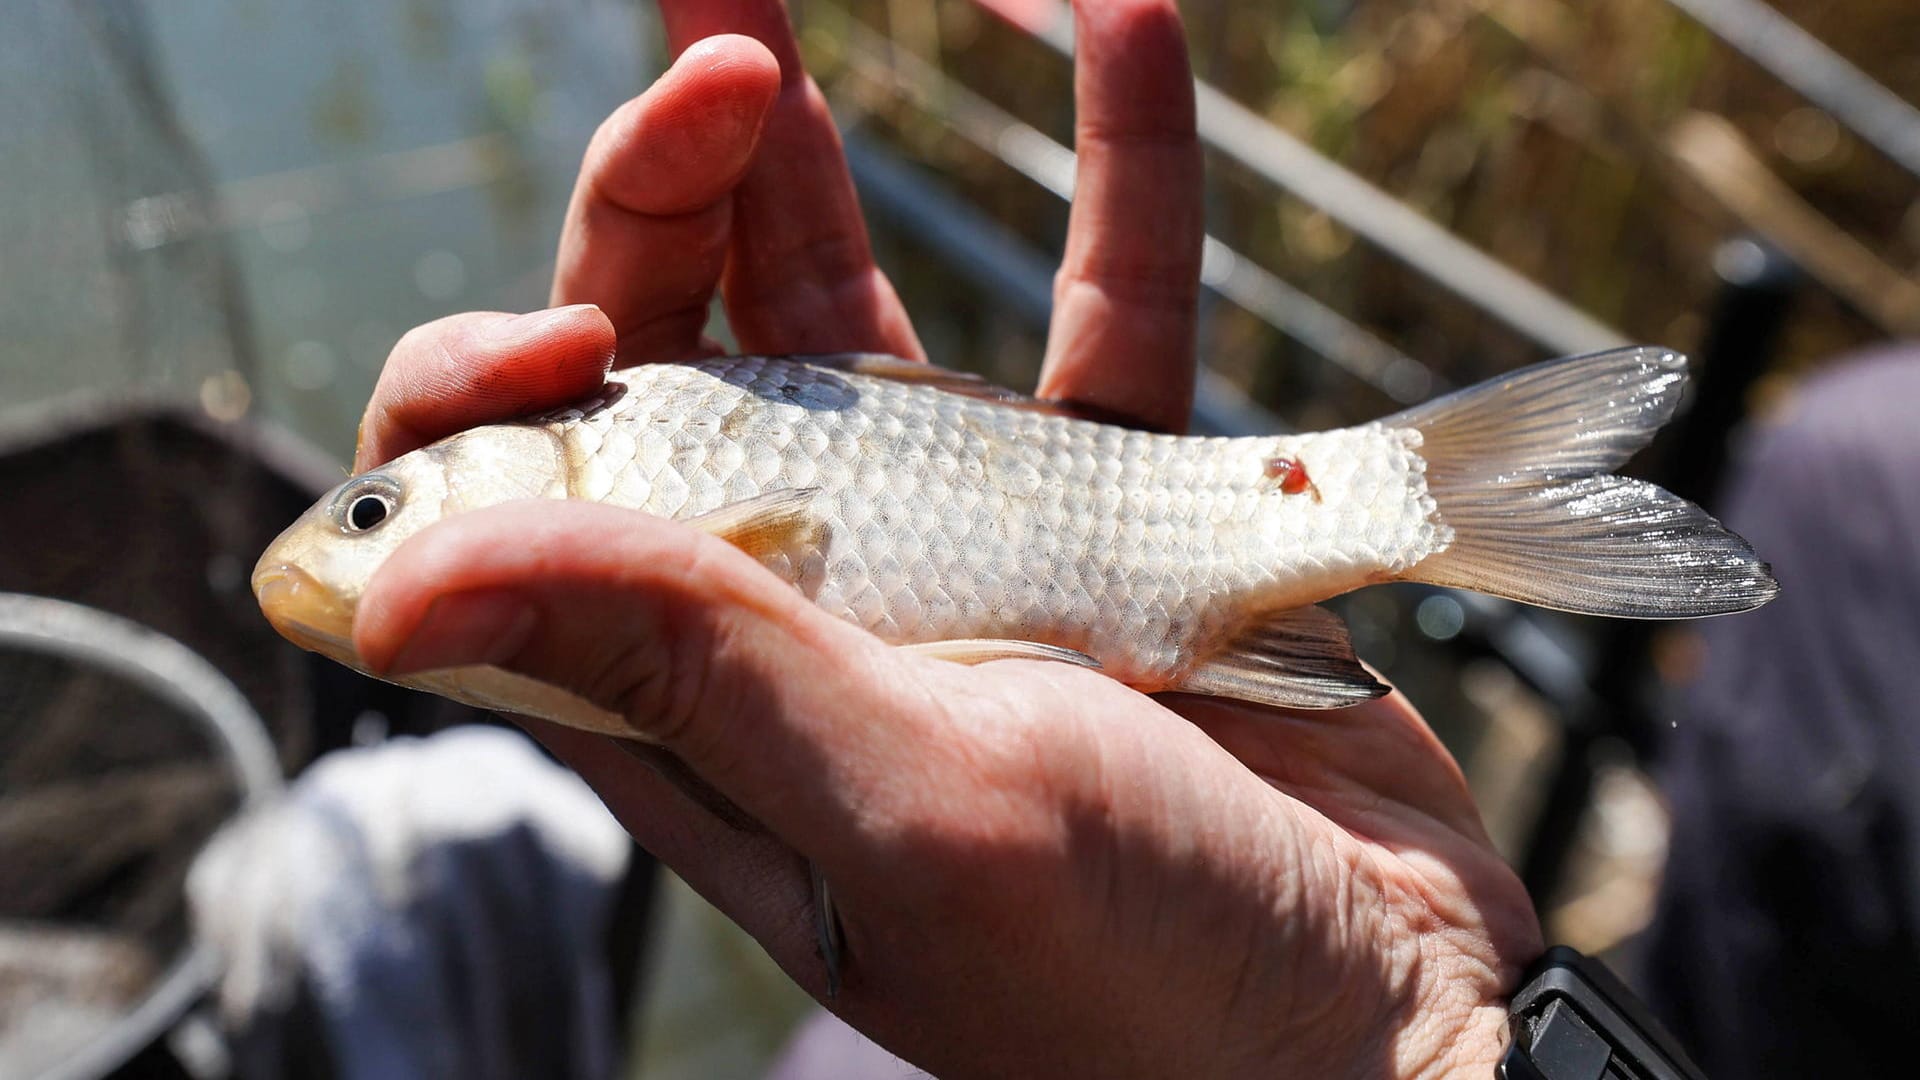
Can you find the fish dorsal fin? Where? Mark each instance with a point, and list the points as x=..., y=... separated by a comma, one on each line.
x=1300, y=659
x=964, y=383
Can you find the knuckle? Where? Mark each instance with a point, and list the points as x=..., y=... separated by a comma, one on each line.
x=658, y=668
x=631, y=681
x=660, y=685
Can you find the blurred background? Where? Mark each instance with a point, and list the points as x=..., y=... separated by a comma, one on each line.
x=216, y=218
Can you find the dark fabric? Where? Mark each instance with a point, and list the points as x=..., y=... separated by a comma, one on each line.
x=1785, y=939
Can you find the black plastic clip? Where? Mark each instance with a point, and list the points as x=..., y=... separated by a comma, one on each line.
x=1574, y=1020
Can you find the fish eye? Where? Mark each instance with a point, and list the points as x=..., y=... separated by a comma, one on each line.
x=367, y=511
x=364, y=507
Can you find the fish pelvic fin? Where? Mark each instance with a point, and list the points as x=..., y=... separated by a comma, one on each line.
x=972, y=651
x=1517, y=468
x=1300, y=659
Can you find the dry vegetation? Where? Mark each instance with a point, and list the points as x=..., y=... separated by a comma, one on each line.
x=1603, y=148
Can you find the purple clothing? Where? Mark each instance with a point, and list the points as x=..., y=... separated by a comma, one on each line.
x=1785, y=942
x=825, y=1048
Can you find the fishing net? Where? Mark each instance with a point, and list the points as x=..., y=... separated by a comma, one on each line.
x=99, y=830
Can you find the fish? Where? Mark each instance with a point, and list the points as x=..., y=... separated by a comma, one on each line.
x=964, y=521
x=958, y=519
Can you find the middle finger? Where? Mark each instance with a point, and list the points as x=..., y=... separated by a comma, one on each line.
x=1124, y=314
x=647, y=229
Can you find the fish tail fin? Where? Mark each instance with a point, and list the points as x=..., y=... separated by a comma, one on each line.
x=1518, y=466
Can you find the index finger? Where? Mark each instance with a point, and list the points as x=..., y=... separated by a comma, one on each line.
x=800, y=274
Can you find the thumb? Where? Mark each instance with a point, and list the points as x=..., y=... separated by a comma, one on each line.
x=770, y=699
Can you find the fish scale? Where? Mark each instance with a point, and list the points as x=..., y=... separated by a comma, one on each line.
x=947, y=516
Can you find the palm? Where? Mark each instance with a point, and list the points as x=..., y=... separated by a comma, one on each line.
x=1070, y=877
x=1308, y=845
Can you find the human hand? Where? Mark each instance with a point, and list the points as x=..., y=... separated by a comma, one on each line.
x=1038, y=869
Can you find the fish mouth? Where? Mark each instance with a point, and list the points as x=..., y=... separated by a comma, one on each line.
x=305, y=612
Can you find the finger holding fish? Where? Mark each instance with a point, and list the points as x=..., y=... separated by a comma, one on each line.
x=1125, y=309
x=663, y=174
x=799, y=273
x=653, y=212
x=478, y=368
x=659, y=176
x=680, y=635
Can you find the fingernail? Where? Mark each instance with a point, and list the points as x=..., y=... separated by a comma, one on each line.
x=481, y=627
x=533, y=323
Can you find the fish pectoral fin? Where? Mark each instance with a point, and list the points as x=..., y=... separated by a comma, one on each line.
x=764, y=523
x=980, y=650
x=1299, y=659
x=965, y=383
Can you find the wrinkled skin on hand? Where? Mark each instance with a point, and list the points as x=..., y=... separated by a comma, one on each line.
x=1040, y=871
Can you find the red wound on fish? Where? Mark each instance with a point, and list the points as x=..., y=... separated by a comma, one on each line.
x=1291, y=476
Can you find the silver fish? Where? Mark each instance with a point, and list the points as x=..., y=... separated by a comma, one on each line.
x=942, y=513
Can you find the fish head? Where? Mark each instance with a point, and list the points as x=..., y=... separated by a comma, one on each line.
x=310, y=579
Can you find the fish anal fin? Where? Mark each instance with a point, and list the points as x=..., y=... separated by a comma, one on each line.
x=763, y=524
x=964, y=383
x=1299, y=659
x=981, y=650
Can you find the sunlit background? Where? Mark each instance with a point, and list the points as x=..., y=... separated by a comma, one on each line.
x=225, y=213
